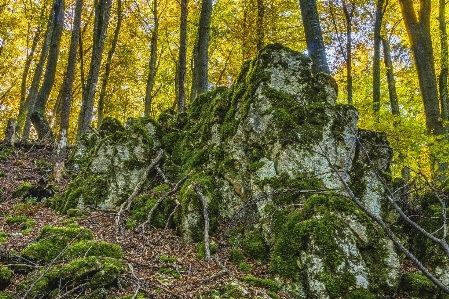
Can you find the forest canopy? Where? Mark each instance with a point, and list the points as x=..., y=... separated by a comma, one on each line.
x=129, y=60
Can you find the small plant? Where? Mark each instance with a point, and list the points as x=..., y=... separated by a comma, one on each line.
x=22, y=191
x=166, y=258
x=3, y=237
x=2, y=174
x=26, y=223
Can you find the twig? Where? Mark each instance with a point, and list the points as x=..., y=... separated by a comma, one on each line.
x=160, y=200
x=127, y=204
x=72, y=290
x=49, y=265
x=178, y=204
x=206, y=221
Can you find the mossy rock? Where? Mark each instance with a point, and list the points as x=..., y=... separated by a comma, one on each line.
x=95, y=272
x=4, y=295
x=52, y=240
x=417, y=285
x=22, y=190
x=110, y=125
x=5, y=277
x=143, y=204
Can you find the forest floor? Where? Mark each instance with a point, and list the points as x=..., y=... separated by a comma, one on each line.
x=148, y=255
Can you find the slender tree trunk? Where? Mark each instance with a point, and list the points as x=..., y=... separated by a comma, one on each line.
x=376, y=56
x=182, y=60
x=81, y=54
x=38, y=117
x=201, y=57
x=394, y=103
x=348, y=17
x=26, y=69
x=67, y=93
x=102, y=10
x=444, y=62
x=260, y=24
x=108, y=64
x=421, y=44
x=23, y=120
x=314, y=37
x=153, y=58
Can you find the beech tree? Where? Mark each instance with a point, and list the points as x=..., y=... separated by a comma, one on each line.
x=153, y=58
x=200, y=78
x=314, y=38
x=181, y=66
x=102, y=14
x=418, y=29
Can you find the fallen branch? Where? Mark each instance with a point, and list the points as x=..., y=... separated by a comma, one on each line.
x=125, y=206
x=157, y=204
x=206, y=221
x=178, y=204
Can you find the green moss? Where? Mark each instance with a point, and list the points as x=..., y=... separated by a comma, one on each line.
x=201, y=249
x=162, y=188
x=236, y=256
x=143, y=204
x=92, y=189
x=5, y=151
x=52, y=240
x=254, y=246
x=26, y=223
x=191, y=204
x=360, y=294
x=5, y=277
x=253, y=167
x=416, y=284
x=76, y=213
x=3, y=237
x=132, y=296
x=110, y=125
x=97, y=273
x=2, y=173
x=169, y=271
x=167, y=259
x=268, y=284
x=92, y=248
x=22, y=190
x=4, y=295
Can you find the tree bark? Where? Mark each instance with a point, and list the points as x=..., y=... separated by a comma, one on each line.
x=182, y=60
x=200, y=84
x=421, y=44
x=108, y=64
x=38, y=118
x=260, y=24
x=153, y=58
x=444, y=63
x=376, y=56
x=394, y=103
x=102, y=10
x=314, y=38
x=24, y=118
x=67, y=93
x=348, y=17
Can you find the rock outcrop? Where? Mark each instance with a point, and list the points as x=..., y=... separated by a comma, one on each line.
x=269, y=154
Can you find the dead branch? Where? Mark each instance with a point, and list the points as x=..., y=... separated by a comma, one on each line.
x=178, y=204
x=127, y=204
x=384, y=226
x=206, y=221
x=157, y=204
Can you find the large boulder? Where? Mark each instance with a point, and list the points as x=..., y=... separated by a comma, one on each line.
x=269, y=154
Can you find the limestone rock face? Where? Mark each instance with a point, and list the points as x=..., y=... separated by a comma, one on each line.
x=115, y=163
x=268, y=153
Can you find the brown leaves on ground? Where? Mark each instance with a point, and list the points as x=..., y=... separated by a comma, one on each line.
x=160, y=265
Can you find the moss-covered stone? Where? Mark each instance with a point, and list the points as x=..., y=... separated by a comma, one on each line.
x=110, y=126
x=95, y=273
x=268, y=284
x=22, y=190
x=417, y=285
x=5, y=277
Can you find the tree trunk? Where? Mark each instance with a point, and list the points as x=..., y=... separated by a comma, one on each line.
x=182, y=60
x=102, y=10
x=421, y=44
x=200, y=84
x=394, y=103
x=314, y=38
x=67, y=93
x=444, y=63
x=108, y=64
x=24, y=118
x=376, y=56
x=38, y=118
x=348, y=17
x=153, y=58
x=260, y=24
